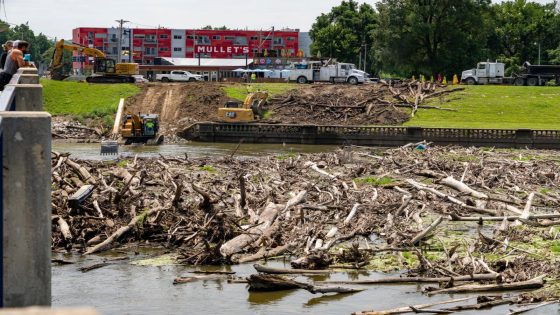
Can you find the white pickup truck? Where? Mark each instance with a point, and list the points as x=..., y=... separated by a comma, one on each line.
x=178, y=76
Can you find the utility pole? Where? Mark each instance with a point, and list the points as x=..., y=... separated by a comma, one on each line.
x=365, y=57
x=119, y=47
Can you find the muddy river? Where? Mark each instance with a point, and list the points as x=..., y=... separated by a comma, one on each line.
x=128, y=288
x=135, y=287
x=90, y=151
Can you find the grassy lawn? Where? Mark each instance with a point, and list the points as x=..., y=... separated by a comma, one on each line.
x=83, y=99
x=239, y=91
x=488, y=106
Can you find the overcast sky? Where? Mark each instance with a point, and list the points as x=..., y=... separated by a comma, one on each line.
x=57, y=18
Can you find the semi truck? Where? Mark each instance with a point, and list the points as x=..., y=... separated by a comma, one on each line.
x=320, y=71
x=493, y=73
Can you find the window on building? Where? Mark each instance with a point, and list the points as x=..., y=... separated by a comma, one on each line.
x=190, y=49
x=203, y=40
x=291, y=38
x=125, y=48
x=278, y=41
x=254, y=38
x=139, y=35
x=240, y=40
x=216, y=37
x=177, y=49
x=163, y=36
x=229, y=37
x=191, y=36
x=137, y=49
x=100, y=35
x=150, y=51
x=163, y=49
x=177, y=37
x=255, y=50
x=150, y=38
x=114, y=50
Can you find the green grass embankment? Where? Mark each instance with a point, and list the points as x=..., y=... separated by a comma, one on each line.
x=239, y=91
x=83, y=100
x=488, y=106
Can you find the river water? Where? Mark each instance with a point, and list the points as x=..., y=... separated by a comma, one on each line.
x=124, y=287
x=90, y=151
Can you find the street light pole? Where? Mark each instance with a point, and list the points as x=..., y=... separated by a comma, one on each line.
x=539, y=56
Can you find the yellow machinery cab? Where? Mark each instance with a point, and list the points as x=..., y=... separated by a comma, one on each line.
x=250, y=110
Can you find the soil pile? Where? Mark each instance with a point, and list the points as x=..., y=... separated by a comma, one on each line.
x=179, y=105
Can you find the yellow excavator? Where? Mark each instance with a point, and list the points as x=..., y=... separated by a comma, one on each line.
x=251, y=110
x=105, y=70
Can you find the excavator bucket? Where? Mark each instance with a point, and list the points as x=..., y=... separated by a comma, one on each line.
x=109, y=147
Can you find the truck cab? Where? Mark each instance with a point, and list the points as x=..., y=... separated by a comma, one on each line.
x=484, y=73
x=316, y=71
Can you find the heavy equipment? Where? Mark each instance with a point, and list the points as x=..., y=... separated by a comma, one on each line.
x=141, y=128
x=252, y=109
x=493, y=73
x=135, y=128
x=105, y=70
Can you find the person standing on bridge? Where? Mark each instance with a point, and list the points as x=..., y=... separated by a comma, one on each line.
x=7, y=48
x=14, y=61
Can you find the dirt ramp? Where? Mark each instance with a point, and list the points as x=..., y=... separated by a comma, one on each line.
x=179, y=104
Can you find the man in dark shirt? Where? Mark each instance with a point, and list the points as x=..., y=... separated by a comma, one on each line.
x=7, y=47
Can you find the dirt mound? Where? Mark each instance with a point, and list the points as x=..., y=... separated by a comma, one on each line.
x=338, y=105
x=178, y=105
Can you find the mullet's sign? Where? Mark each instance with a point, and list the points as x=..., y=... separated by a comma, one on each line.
x=222, y=49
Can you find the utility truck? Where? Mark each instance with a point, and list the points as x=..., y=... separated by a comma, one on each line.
x=320, y=71
x=493, y=73
x=178, y=76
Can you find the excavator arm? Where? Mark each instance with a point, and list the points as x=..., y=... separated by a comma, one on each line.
x=61, y=46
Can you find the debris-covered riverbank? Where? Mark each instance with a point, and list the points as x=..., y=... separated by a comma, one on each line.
x=470, y=220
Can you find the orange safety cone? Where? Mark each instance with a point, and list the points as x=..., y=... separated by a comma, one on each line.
x=455, y=79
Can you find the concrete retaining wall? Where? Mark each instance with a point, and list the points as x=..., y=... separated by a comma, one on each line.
x=372, y=136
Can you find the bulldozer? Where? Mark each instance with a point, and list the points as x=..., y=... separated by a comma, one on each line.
x=104, y=71
x=251, y=110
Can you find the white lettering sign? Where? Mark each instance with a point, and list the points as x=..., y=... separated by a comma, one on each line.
x=222, y=49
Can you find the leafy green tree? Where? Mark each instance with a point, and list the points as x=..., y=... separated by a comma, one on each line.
x=520, y=28
x=430, y=36
x=345, y=32
x=39, y=44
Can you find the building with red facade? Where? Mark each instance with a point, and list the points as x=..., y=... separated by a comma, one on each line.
x=145, y=46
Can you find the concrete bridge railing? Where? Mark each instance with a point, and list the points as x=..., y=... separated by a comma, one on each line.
x=25, y=207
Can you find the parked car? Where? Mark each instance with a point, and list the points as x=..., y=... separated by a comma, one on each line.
x=139, y=79
x=178, y=76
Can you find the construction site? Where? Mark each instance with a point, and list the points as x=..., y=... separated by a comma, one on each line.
x=388, y=158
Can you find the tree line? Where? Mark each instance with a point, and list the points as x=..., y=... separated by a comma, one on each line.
x=411, y=37
x=41, y=47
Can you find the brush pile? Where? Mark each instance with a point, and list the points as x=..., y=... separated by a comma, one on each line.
x=324, y=209
x=379, y=104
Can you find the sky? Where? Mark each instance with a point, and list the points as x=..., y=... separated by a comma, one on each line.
x=57, y=18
